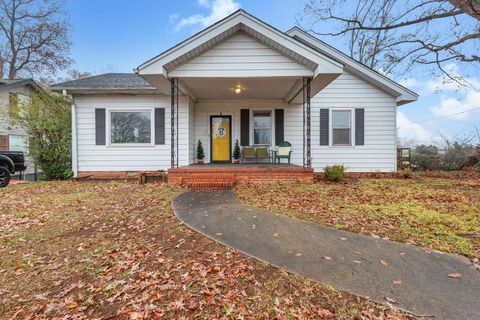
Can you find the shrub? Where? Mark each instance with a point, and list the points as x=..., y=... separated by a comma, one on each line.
x=456, y=155
x=334, y=173
x=236, y=151
x=200, y=153
x=46, y=117
x=426, y=157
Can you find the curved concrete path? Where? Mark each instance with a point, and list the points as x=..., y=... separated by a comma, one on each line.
x=350, y=262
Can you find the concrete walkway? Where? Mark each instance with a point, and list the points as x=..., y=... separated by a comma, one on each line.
x=347, y=261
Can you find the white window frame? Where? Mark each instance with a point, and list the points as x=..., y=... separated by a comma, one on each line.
x=25, y=142
x=352, y=128
x=272, y=126
x=108, y=128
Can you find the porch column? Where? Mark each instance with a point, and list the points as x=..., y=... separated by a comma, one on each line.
x=307, y=157
x=174, y=122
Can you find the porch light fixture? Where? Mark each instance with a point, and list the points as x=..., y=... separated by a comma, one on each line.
x=237, y=89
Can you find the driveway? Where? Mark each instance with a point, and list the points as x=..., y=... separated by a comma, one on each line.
x=425, y=283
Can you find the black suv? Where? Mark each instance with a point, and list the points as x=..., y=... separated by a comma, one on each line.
x=10, y=162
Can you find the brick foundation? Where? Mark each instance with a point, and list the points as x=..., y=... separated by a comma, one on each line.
x=224, y=178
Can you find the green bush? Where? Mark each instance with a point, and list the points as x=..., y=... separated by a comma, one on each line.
x=200, y=153
x=334, y=173
x=426, y=157
x=46, y=117
x=236, y=151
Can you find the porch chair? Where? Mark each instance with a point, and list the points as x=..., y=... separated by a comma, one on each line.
x=284, y=151
x=262, y=153
x=248, y=153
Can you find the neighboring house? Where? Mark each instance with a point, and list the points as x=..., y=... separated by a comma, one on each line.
x=240, y=79
x=14, y=138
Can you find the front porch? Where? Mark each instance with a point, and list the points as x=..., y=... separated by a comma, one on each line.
x=225, y=176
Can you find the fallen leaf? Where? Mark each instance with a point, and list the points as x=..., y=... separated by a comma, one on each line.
x=325, y=314
x=72, y=305
x=275, y=234
x=390, y=300
x=455, y=275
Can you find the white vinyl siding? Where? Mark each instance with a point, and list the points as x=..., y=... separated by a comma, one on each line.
x=240, y=56
x=346, y=92
x=93, y=157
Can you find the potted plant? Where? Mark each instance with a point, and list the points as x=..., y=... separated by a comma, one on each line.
x=236, y=153
x=200, y=153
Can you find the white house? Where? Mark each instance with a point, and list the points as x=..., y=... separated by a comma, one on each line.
x=259, y=85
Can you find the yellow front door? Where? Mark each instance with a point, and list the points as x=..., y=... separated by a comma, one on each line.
x=220, y=132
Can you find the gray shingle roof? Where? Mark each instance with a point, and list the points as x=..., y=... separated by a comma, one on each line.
x=107, y=81
x=11, y=81
x=10, y=84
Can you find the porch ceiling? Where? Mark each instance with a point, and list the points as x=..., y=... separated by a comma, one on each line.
x=251, y=88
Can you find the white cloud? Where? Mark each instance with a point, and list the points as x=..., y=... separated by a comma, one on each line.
x=407, y=130
x=219, y=9
x=410, y=83
x=203, y=3
x=451, y=106
x=442, y=83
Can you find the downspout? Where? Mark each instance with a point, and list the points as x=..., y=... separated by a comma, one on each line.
x=74, y=139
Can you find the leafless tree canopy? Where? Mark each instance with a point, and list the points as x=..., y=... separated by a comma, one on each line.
x=394, y=36
x=34, y=37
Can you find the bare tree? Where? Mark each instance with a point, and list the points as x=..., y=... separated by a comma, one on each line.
x=394, y=36
x=457, y=151
x=34, y=37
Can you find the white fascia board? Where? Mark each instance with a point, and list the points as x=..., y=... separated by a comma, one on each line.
x=403, y=94
x=156, y=65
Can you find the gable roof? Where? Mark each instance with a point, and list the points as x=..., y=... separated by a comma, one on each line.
x=295, y=44
x=10, y=84
x=225, y=28
x=107, y=81
x=402, y=94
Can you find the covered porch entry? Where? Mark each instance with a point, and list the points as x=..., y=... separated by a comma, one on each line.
x=242, y=81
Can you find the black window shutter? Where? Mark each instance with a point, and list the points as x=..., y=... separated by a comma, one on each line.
x=279, y=126
x=244, y=127
x=359, y=127
x=324, y=127
x=159, y=125
x=100, y=127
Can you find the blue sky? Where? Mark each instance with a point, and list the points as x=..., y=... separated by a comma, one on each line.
x=118, y=35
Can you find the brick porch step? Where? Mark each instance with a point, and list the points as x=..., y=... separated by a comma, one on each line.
x=210, y=185
x=210, y=181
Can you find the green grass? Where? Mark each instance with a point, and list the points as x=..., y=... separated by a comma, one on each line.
x=430, y=212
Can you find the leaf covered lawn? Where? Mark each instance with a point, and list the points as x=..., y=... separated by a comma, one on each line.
x=439, y=213
x=116, y=251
